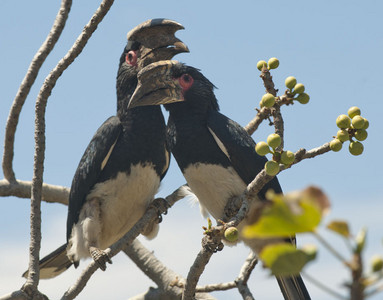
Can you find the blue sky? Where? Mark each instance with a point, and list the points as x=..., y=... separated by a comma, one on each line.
x=333, y=47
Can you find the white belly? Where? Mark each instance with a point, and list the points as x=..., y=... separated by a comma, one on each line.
x=214, y=185
x=122, y=202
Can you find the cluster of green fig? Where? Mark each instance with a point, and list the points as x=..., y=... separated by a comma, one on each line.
x=297, y=90
x=351, y=126
x=273, y=63
x=283, y=157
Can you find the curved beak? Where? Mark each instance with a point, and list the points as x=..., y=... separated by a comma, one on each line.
x=158, y=41
x=157, y=85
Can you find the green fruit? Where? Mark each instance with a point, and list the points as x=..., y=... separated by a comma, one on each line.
x=361, y=134
x=260, y=65
x=336, y=145
x=262, y=148
x=272, y=168
x=299, y=88
x=273, y=63
x=353, y=111
x=290, y=82
x=356, y=148
x=376, y=263
x=303, y=98
x=268, y=100
x=231, y=234
x=342, y=135
x=357, y=122
x=366, y=124
x=274, y=140
x=343, y=122
x=287, y=157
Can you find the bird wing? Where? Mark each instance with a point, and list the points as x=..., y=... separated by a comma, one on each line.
x=91, y=164
x=239, y=147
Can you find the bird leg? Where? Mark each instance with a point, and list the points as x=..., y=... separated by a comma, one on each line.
x=161, y=206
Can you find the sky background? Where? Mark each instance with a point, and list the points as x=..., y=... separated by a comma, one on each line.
x=333, y=47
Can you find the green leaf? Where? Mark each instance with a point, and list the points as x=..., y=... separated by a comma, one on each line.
x=340, y=227
x=360, y=240
x=284, y=259
x=285, y=218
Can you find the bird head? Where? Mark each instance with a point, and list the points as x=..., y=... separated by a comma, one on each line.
x=149, y=42
x=171, y=82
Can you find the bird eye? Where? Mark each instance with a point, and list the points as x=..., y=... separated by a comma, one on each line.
x=131, y=58
x=186, y=81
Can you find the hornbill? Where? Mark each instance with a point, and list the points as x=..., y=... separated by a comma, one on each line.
x=215, y=154
x=121, y=169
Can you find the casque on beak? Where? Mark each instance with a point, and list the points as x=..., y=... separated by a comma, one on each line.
x=157, y=85
x=157, y=40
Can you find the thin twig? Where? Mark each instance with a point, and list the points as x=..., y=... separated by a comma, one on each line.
x=244, y=275
x=323, y=287
x=262, y=114
x=22, y=189
x=26, y=84
x=149, y=217
x=38, y=168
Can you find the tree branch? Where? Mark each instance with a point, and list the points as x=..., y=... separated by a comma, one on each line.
x=149, y=217
x=22, y=189
x=26, y=84
x=38, y=168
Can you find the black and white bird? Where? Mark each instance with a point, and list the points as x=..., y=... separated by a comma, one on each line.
x=215, y=154
x=124, y=163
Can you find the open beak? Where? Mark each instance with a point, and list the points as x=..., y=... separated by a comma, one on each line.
x=157, y=85
x=157, y=40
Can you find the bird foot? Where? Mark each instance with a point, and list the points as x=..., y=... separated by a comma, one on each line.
x=212, y=240
x=161, y=205
x=100, y=257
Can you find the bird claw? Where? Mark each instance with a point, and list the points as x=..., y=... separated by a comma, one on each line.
x=100, y=257
x=161, y=205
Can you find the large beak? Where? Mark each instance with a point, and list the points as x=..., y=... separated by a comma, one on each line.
x=157, y=40
x=157, y=85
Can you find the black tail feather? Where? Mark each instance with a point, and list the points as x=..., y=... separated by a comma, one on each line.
x=53, y=264
x=293, y=288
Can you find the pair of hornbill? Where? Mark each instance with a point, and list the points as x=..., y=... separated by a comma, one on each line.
x=124, y=163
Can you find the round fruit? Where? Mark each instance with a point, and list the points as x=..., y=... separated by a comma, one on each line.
x=356, y=148
x=274, y=140
x=273, y=63
x=272, y=168
x=353, y=111
x=231, y=234
x=376, y=263
x=361, y=134
x=342, y=135
x=357, y=122
x=268, y=100
x=262, y=148
x=299, y=88
x=343, y=122
x=366, y=124
x=290, y=82
x=336, y=145
x=260, y=65
x=287, y=157
x=303, y=98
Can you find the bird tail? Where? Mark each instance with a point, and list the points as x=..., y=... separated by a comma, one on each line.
x=293, y=288
x=53, y=264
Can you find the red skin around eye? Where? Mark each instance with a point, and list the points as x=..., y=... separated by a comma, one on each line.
x=186, y=81
x=131, y=58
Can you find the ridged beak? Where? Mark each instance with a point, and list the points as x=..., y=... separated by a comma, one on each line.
x=157, y=85
x=157, y=40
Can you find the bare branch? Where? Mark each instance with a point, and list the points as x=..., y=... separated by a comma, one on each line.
x=22, y=189
x=253, y=125
x=38, y=168
x=244, y=275
x=28, y=81
x=149, y=217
